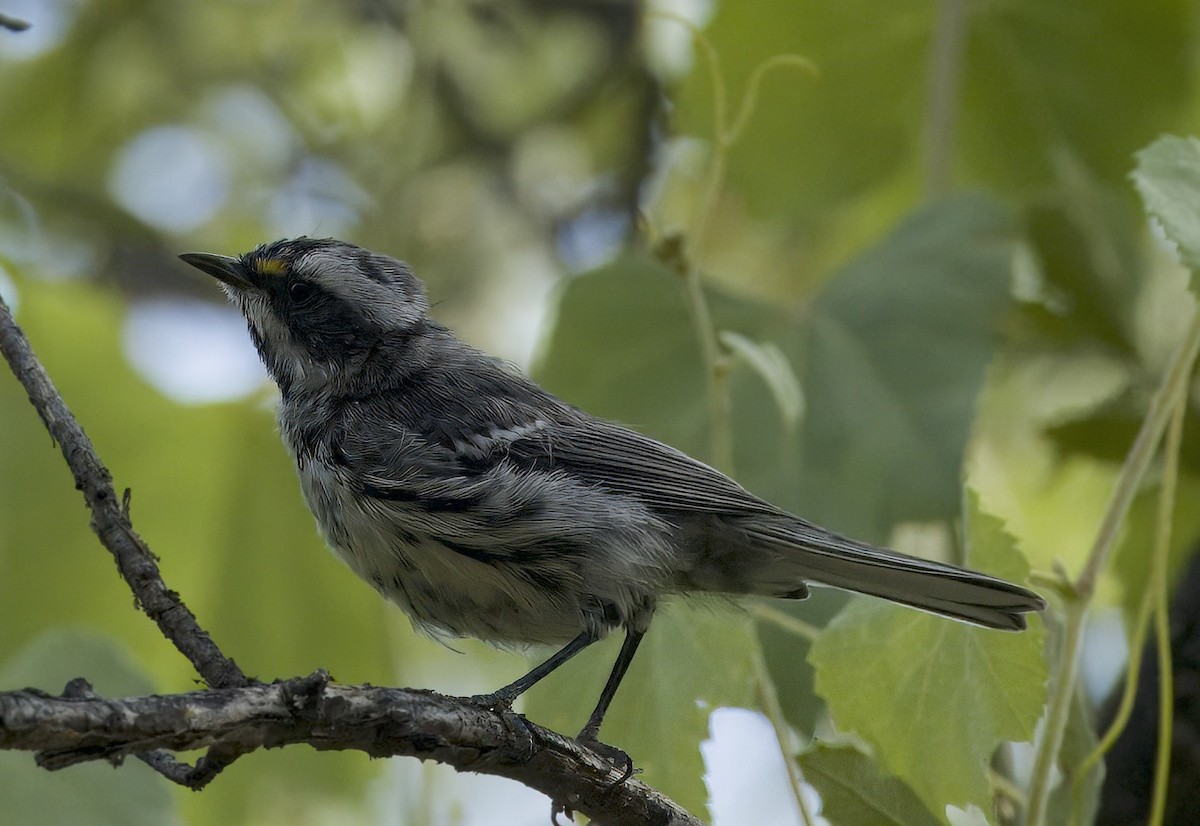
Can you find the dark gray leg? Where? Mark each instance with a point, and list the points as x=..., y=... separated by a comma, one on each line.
x=590, y=735
x=591, y=731
x=503, y=698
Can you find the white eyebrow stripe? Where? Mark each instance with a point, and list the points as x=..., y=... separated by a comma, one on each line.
x=396, y=300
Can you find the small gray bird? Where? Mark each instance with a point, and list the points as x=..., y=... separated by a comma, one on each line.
x=485, y=507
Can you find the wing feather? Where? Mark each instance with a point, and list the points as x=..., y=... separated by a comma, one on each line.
x=626, y=462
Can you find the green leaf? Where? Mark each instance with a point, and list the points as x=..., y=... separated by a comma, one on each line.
x=1033, y=75
x=1168, y=178
x=1087, y=242
x=93, y=794
x=854, y=792
x=899, y=346
x=693, y=660
x=933, y=697
x=59, y=655
x=624, y=348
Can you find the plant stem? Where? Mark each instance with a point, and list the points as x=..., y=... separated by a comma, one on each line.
x=1173, y=386
x=715, y=373
x=774, y=712
x=1140, y=455
x=1060, y=710
x=1162, y=623
x=785, y=621
x=945, y=71
x=725, y=133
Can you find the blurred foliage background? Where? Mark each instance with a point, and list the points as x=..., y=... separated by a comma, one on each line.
x=904, y=256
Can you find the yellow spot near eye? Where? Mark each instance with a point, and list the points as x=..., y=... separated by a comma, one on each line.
x=270, y=266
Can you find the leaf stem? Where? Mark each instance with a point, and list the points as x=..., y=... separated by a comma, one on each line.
x=725, y=133
x=1140, y=455
x=785, y=621
x=1060, y=709
x=774, y=712
x=716, y=371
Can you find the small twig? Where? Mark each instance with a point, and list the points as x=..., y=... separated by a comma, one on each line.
x=12, y=23
x=110, y=520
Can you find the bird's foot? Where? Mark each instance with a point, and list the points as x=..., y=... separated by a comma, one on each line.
x=611, y=754
x=617, y=757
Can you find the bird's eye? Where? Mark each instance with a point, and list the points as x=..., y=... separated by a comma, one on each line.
x=301, y=291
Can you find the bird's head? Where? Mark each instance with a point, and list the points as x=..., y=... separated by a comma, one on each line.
x=319, y=309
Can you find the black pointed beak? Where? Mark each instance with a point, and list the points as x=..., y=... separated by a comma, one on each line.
x=221, y=267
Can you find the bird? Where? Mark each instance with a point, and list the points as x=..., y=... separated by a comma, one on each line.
x=486, y=507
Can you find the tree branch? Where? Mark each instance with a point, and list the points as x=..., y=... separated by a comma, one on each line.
x=383, y=722
x=236, y=715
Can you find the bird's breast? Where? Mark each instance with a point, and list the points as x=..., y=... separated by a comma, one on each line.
x=444, y=591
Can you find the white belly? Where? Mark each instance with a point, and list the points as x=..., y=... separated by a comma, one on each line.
x=444, y=591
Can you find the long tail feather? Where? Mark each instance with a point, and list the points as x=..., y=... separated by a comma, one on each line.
x=811, y=553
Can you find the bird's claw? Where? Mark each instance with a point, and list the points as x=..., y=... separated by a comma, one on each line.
x=619, y=758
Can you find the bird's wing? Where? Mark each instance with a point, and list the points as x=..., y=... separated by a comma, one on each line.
x=589, y=451
x=623, y=461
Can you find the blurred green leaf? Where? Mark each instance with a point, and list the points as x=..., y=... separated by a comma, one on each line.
x=622, y=347
x=898, y=350
x=1034, y=80
x=891, y=361
x=92, y=794
x=1168, y=178
x=791, y=158
x=933, y=697
x=1050, y=77
x=1087, y=241
x=854, y=792
x=1107, y=432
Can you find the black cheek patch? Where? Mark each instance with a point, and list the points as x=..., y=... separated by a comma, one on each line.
x=323, y=324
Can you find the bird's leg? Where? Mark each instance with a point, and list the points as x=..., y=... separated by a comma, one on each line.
x=502, y=699
x=589, y=736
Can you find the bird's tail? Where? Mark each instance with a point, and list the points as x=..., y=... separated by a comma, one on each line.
x=798, y=551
